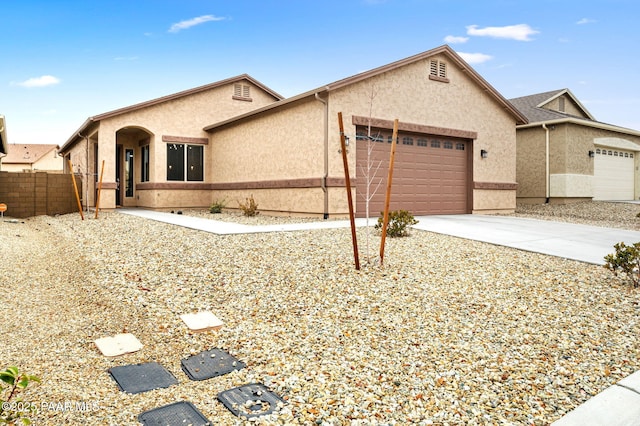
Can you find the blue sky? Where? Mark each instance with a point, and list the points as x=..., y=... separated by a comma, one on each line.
x=66, y=60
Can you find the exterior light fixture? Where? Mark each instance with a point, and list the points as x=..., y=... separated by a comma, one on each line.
x=592, y=154
x=346, y=140
x=484, y=153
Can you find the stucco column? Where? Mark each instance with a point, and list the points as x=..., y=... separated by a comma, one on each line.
x=107, y=152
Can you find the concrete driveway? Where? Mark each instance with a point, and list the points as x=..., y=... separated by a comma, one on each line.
x=572, y=241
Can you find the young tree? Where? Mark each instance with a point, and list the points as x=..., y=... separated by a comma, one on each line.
x=369, y=169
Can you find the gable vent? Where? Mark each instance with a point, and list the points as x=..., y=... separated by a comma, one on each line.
x=241, y=91
x=438, y=70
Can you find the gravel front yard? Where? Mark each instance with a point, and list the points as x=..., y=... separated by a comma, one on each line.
x=448, y=332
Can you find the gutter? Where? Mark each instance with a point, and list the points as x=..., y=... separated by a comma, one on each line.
x=326, y=155
x=546, y=174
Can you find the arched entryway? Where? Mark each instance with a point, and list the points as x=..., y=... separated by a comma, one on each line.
x=131, y=163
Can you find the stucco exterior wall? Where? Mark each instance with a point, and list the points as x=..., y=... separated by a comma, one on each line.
x=287, y=144
x=182, y=117
x=277, y=147
x=408, y=94
x=48, y=163
x=531, y=165
x=570, y=107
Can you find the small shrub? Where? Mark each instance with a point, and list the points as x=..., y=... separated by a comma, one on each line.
x=399, y=221
x=626, y=259
x=217, y=206
x=249, y=207
x=12, y=411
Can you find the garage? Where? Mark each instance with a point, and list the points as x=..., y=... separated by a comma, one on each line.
x=430, y=175
x=613, y=173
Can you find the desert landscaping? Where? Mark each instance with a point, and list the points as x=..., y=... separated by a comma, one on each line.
x=448, y=332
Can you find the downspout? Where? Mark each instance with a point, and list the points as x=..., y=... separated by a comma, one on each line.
x=323, y=182
x=86, y=183
x=546, y=174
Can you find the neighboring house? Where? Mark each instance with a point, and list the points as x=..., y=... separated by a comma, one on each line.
x=565, y=155
x=31, y=158
x=456, y=151
x=3, y=139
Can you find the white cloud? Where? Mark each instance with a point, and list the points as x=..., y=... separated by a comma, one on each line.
x=183, y=25
x=475, y=58
x=43, y=81
x=585, y=21
x=520, y=32
x=455, y=39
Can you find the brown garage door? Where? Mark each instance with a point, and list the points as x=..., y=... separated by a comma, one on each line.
x=430, y=174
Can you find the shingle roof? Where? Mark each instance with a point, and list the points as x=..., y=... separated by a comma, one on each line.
x=531, y=107
x=27, y=153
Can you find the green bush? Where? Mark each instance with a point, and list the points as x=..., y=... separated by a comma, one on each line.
x=399, y=221
x=217, y=206
x=12, y=411
x=249, y=207
x=626, y=259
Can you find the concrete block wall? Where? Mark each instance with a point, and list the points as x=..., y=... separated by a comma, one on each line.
x=39, y=193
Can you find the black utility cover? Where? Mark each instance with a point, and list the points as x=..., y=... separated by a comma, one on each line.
x=137, y=378
x=211, y=363
x=177, y=414
x=236, y=400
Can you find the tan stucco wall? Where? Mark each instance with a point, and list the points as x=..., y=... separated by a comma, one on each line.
x=287, y=144
x=183, y=117
x=531, y=167
x=570, y=107
x=409, y=95
x=47, y=163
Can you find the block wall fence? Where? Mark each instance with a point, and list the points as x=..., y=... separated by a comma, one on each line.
x=39, y=193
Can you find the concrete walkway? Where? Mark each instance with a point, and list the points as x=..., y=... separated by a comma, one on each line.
x=618, y=405
x=569, y=240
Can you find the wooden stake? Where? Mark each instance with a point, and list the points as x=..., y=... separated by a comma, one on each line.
x=75, y=187
x=99, y=189
x=345, y=163
x=387, y=200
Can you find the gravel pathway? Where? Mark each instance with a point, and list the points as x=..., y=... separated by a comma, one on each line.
x=449, y=332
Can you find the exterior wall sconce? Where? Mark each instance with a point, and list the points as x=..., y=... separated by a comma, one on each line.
x=484, y=153
x=346, y=140
x=592, y=154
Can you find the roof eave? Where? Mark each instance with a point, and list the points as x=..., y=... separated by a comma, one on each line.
x=594, y=124
x=255, y=112
x=520, y=118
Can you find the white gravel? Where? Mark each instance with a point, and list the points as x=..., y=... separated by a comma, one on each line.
x=450, y=331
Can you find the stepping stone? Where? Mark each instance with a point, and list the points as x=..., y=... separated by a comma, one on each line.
x=119, y=344
x=138, y=378
x=211, y=363
x=177, y=414
x=202, y=321
x=250, y=401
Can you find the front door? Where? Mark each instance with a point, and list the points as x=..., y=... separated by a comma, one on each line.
x=118, y=174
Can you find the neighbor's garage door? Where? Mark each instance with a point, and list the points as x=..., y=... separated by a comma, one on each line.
x=430, y=174
x=613, y=174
